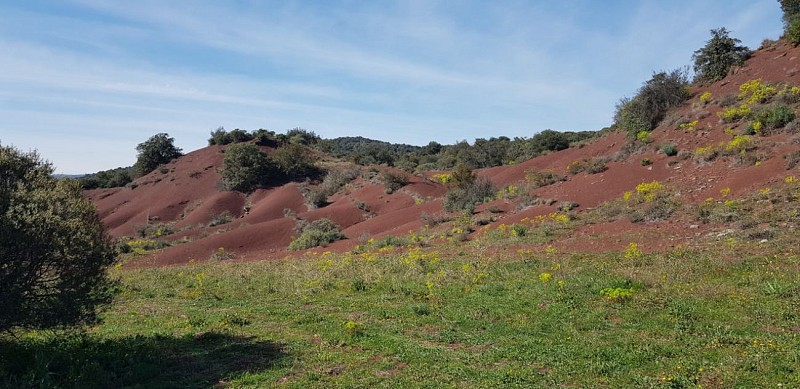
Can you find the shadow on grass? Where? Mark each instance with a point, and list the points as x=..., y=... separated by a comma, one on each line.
x=158, y=361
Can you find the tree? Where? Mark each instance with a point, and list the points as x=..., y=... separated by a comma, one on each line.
x=713, y=61
x=657, y=96
x=791, y=20
x=157, y=150
x=295, y=161
x=53, y=250
x=791, y=9
x=246, y=168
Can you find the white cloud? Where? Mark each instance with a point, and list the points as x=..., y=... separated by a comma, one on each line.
x=405, y=72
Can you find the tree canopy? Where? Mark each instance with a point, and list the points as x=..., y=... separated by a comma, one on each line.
x=53, y=249
x=157, y=150
x=713, y=61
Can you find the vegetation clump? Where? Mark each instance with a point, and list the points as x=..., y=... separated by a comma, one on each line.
x=722, y=52
x=643, y=112
x=154, y=152
x=246, y=168
x=54, y=251
x=467, y=190
x=320, y=232
x=791, y=20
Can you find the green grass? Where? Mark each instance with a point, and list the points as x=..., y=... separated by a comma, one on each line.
x=718, y=317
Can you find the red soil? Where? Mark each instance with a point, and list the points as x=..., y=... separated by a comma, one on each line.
x=186, y=193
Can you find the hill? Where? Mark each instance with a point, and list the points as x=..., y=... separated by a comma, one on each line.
x=181, y=207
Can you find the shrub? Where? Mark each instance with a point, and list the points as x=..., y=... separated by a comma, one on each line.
x=320, y=232
x=54, y=251
x=669, y=149
x=465, y=198
x=221, y=218
x=792, y=31
x=467, y=190
x=713, y=61
x=113, y=178
x=650, y=201
x=755, y=91
x=332, y=183
x=219, y=137
x=650, y=105
x=593, y=166
x=154, y=230
x=246, y=168
x=734, y=114
x=791, y=20
x=739, y=144
x=705, y=98
x=774, y=117
x=221, y=254
x=295, y=161
x=433, y=219
x=393, y=181
x=152, y=153
x=706, y=154
x=540, y=178
x=792, y=160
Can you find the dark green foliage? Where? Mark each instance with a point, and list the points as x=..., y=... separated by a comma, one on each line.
x=301, y=136
x=262, y=137
x=157, y=150
x=466, y=190
x=791, y=9
x=295, y=161
x=393, y=181
x=364, y=151
x=774, y=116
x=239, y=136
x=669, y=149
x=791, y=20
x=320, y=232
x=113, y=178
x=246, y=168
x=482, y=153
x=713, y=61
x=332, y=183
x=665, y=90
x=53, y=249
x=792, y=31
x=219, y=137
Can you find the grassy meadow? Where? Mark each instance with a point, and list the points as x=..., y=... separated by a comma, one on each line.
x=477, y=314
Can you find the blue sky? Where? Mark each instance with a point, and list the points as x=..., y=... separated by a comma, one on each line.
x=85, y=81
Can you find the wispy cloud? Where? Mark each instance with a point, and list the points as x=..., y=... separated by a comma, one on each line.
x=405, y=71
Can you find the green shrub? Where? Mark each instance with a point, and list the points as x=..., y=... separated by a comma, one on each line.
x=295, y=161
x=154, y=230
x=540, y=178
x=154, y=152
x=113, y=178
x=669, y=149
x=652, y=102
x=466, y=190
x=792, y=32
x=713, y=61
x=246, y=168
x=332, y=183
x=774, y=117
x=219, y=219
x=393, y=181
x=320, y=232
x=54, y=251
